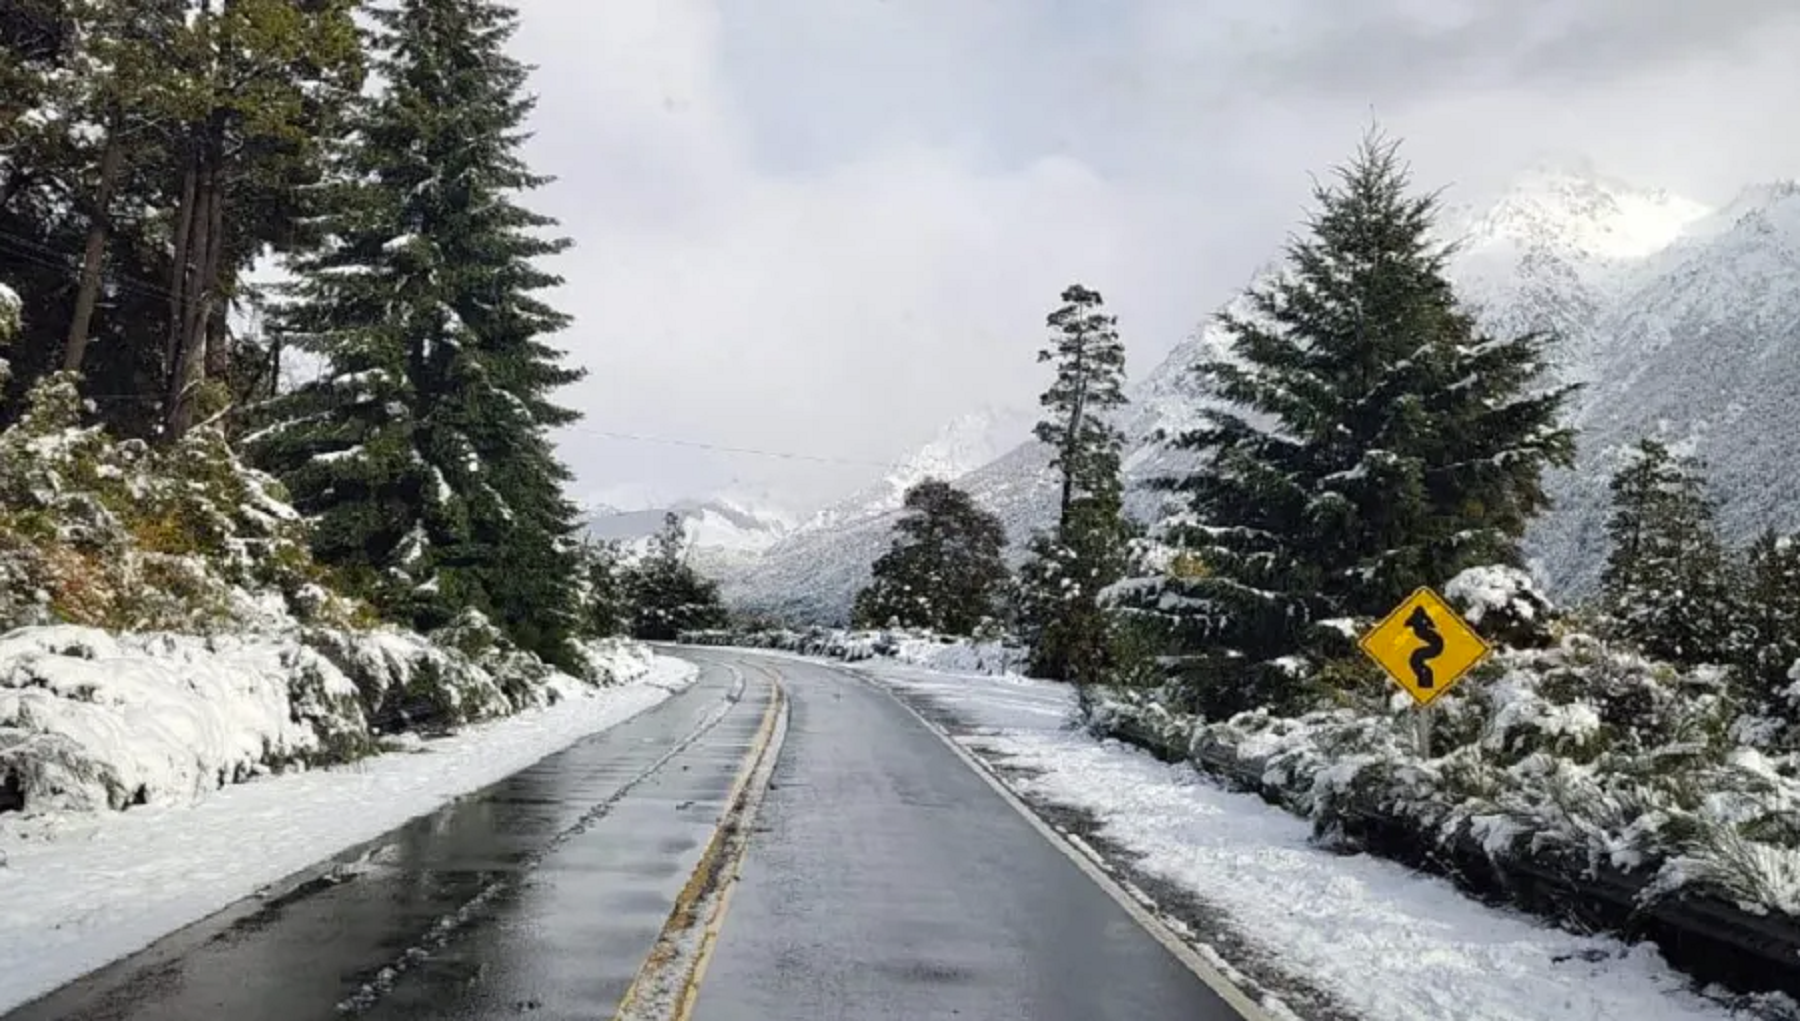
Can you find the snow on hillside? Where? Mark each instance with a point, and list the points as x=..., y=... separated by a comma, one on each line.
x=717, y=524
x=966, y=443
x=1703, y=352
x=813, y=573
x=1681, y=321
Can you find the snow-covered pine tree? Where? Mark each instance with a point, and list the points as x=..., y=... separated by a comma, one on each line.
x=604, y=591
x=423, y=450
x=1766, y=633
x=944, y=571
x=667, y=596
x=1667, y=583
x=1372, y=441
x=1061, y=582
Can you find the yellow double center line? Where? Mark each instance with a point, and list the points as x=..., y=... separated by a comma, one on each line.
x=667, y=986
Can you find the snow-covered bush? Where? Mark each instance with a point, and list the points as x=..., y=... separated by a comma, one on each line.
x=998, y=656
x=164, y=628
x=121, y=535
x=1590, y=754
x=10, y=306
x=1506, y=605
x=93, y=720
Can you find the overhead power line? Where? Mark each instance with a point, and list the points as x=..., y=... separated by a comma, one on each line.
x=786, y=455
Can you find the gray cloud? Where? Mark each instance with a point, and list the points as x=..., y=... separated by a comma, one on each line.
x=826, y=226
x=1387, y=50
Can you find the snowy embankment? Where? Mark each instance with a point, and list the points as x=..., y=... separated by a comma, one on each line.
x=917, y=648
x=92, y=720
x=1378, y=938
x=79, y=890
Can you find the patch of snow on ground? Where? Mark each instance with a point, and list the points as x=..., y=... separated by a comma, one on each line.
x=93, y=720
x=78, y=892
x=1389, y=942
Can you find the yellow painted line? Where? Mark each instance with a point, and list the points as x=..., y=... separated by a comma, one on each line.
x=716, y=873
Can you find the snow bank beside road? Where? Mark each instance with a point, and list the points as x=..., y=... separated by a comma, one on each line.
x=1385, y=941
x=80, y=891
x=92, y=720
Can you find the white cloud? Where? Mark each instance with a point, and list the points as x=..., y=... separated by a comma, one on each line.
x=825, y=228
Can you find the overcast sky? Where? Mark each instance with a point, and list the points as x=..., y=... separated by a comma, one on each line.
x=824, y=227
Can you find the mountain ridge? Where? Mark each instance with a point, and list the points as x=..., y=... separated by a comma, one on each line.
x=1618, y=272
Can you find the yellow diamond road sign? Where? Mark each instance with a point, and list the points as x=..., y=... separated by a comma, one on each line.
x=1424, y=646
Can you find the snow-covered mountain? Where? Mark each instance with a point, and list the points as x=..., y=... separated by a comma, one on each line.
x=1681, y=321
x=965, y=444
x=721, y=530
x=812, y=573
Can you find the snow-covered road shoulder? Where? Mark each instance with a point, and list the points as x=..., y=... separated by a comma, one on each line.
x=1378, y=939
x=78, y=891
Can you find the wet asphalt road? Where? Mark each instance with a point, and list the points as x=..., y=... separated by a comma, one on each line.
x=537, y=897
x=891, y=882
x=884, y=880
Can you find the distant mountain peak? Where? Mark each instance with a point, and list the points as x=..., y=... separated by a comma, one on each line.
x=965, y=443
x=1567, y=207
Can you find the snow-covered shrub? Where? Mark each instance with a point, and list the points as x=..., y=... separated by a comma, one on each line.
x=92, y=720
x=1592, y=755
x=407, y=682
x=10, y=307
x=922, y=648
x=121, y=535
x=523, y=676
x=611, y=661
x=1505, y=605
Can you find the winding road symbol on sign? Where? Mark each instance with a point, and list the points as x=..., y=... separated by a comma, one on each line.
x=1419, y=622
x=1424, y=646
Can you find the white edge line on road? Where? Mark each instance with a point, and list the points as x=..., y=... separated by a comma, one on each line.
x=1248, y=1008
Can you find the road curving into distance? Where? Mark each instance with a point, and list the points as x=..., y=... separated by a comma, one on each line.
x=781, y=841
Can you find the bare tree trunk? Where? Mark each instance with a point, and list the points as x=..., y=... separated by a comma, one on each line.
x=87, y=296
x=180, y=270
x=218, y=343
x=1072, y=439
x=190, y=344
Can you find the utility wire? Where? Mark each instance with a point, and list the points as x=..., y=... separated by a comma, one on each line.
x=786, y=455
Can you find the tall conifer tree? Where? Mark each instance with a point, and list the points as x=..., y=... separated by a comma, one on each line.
x=1062, y=580
x=1371, y=439
x=1666, y=585
x=944, y=571
x=424, y=450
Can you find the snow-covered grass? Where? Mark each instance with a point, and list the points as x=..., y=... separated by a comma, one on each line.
x=1383, y=940
x=79, y=891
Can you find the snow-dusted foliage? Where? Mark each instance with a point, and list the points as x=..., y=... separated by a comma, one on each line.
x=1505, y=604
x=946, y=653
x=10, y=306
x=119, y=534
x=1580, y=753
x=168, y=630
x=93, y=720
